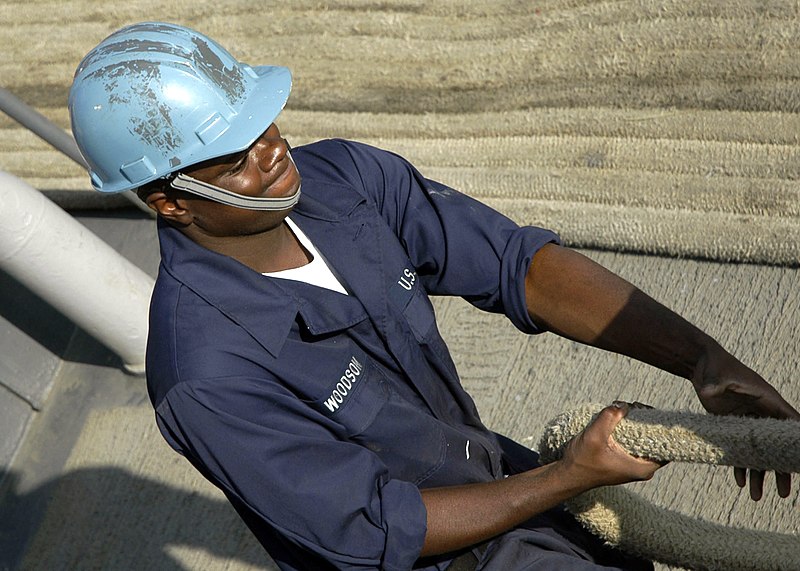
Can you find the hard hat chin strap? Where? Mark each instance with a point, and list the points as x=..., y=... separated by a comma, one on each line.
x=217, y=194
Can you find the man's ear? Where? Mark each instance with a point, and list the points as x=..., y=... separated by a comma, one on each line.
x=170, y=207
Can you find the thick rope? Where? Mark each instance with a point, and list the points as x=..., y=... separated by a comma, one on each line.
x=625, y=520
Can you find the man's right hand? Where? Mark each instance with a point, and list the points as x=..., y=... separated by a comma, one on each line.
x=596, y=459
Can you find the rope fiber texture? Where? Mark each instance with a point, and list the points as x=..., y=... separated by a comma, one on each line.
x=625, y=520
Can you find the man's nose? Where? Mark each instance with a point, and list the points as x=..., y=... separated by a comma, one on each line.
x=271, y=151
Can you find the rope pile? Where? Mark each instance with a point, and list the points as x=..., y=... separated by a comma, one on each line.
x=627, y=521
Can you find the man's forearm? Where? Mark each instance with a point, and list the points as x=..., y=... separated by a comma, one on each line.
x=571, y=295
x=461, y=516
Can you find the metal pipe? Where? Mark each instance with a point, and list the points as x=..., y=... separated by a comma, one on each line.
x=41, y=126
x=72, y=269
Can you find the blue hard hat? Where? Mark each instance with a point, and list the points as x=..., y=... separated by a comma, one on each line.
x=154, y=98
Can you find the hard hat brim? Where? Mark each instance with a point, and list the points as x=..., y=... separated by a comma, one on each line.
x=265, y=103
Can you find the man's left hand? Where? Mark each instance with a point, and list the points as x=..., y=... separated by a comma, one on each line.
x=726, y=386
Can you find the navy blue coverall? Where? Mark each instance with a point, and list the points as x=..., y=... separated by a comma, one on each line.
x=321, y=415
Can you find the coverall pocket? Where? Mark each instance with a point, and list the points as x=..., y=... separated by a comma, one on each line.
x=406, y=438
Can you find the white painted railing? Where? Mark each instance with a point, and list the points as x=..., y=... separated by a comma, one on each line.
x=60, y=260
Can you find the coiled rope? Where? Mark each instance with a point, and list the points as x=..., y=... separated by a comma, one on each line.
x=625, y=520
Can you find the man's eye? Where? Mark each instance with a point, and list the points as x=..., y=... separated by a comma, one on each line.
x=237, y=167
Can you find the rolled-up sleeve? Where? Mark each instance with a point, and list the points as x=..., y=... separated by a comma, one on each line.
x=321, y=496
x=458, y=245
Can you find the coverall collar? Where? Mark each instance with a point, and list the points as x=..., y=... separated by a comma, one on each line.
x=228, y=285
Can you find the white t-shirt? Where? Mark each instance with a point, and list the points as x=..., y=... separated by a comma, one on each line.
x=317, y=272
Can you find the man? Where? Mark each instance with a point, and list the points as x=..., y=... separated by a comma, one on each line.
x=294, y=358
